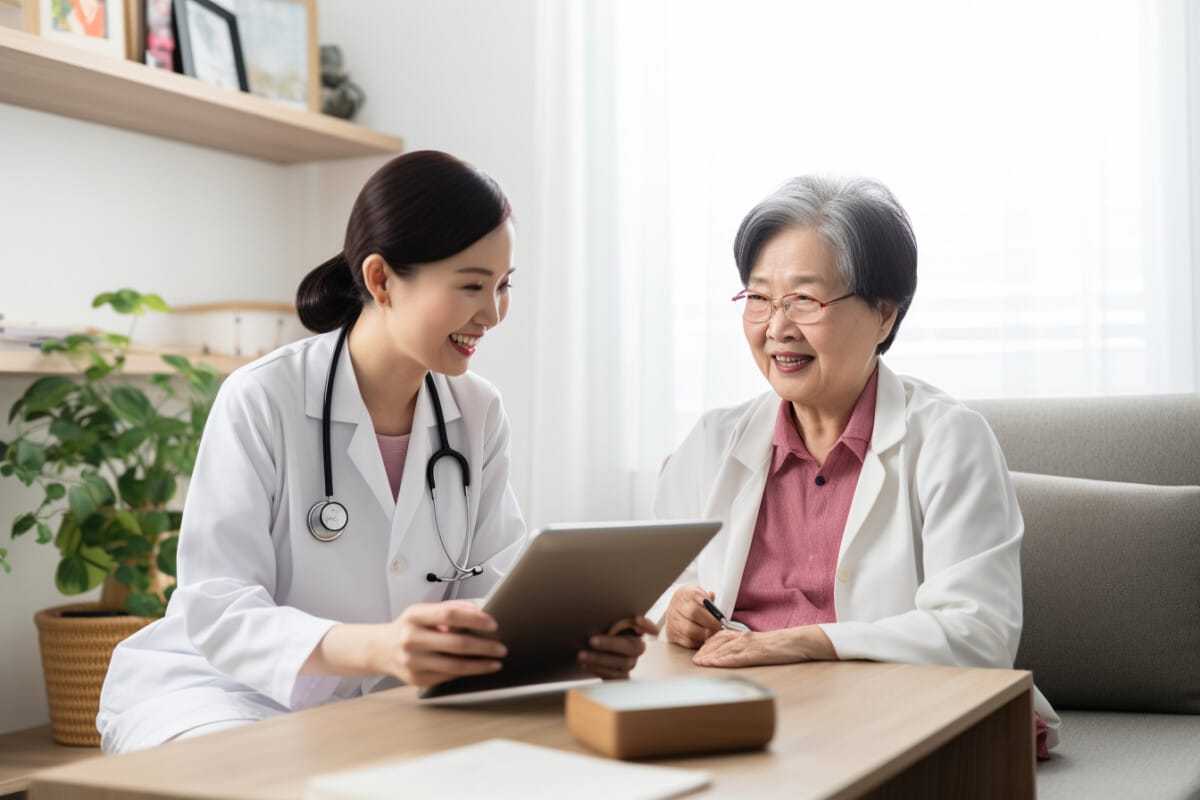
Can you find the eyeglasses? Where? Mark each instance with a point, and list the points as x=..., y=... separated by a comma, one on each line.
x=799, y=308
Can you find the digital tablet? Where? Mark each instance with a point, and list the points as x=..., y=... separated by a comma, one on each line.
x=572, y=582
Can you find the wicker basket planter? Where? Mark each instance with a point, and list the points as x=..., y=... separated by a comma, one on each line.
x=75, y=656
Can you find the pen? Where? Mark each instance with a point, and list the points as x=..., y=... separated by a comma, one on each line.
x=726, y=623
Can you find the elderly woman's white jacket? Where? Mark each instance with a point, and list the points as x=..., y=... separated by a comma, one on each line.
x=929, y=568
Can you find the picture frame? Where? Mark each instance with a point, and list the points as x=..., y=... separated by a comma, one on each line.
x=159, y=42
x=210, y=47
x=95, y=25
x=279, y=43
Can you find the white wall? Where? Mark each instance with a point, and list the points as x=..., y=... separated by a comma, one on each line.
x=457, y=75
x=84, y=209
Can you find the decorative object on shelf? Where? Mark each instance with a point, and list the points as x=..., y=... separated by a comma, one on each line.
x=210, y=47
x=160, y=48
x=236, y=328
x=107, y=458
x=340, y=96
x=97, y=25
x=279, y=41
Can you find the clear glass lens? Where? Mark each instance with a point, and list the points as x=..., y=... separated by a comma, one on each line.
x=799, y=309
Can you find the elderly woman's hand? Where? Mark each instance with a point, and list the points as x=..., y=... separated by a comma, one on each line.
x=787, y=646
x=688, y=623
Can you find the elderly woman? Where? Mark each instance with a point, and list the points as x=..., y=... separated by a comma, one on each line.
x=867, y=515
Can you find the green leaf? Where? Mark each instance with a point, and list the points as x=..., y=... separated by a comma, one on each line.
x=123, y=301
x=155, y=303
x=144, y=604
x=155, y=523
x=44, y=394
x=93, y=529
x=22, y=524
x=4, y=565
x=102, y=493
x=167, y=554
x=66, y=430
x=131, y=404
x=44, y=533
x=133, y=490
x=117, y=339
x=180, y=363
x=75, y=341
x=3, y=450
x=170, y=590
x=55, y=491
x=98, y=372
x=69, y=538
x=161, y=486
x=71, y=577
x=168, y=426
x=80, y=500
x=128, y=522
x=29, y=455
x=163, y=381
x=126, y=574
x=130, y=440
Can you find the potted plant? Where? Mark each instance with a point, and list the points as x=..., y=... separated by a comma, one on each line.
x=107, y=453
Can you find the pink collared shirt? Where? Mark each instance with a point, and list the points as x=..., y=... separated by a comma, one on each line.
x=394, y=450
x=789, y=574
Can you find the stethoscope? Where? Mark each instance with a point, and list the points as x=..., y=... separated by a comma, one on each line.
x=327, y=518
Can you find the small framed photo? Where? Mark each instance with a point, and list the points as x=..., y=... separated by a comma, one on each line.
x=210, y=47
x=279, y=41
x=97, y=25
x=158, y=37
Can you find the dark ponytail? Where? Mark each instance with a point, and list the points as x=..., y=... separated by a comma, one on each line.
x=419, y=207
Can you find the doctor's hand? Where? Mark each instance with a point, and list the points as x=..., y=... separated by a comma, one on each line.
x=613, y=657
x=688, y=623
x=433, y=642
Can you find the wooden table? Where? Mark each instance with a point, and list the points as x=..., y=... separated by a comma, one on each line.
x=849, y=729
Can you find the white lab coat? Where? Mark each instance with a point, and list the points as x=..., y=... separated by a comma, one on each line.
x=257, y=591
x=929, y=568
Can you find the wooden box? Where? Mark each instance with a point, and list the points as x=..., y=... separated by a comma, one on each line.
x=676, y=716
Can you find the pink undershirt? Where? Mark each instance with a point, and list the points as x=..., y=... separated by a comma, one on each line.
x=394, y=449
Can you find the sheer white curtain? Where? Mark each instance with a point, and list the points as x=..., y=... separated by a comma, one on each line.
x=1041, y=148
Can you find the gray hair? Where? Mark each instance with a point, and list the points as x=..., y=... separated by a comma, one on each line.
x=869, y=231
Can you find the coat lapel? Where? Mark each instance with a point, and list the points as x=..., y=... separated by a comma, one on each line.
x=750, y=456
x=347, y=408
x=889, y=429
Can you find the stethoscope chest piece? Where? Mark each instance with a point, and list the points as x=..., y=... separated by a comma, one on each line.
x=327, y=520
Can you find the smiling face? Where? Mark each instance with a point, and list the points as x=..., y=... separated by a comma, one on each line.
x=824, y=365
x=436, y=316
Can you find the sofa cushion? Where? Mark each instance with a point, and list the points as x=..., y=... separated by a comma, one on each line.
x=1110, y=754
x=1111, y=580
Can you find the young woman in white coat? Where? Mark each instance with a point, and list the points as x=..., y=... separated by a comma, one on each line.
x=867, y=515
x=315, y=556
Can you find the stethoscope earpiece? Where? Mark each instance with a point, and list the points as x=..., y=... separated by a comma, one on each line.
x=327, y=518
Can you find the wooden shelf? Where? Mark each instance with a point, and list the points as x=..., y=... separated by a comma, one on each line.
x=23, y=753
x=59, y=79
x=19, y=361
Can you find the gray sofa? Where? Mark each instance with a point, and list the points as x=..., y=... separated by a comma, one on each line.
x=1110, y=491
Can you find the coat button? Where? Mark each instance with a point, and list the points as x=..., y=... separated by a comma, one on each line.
x=843, y=575
x=397, y=564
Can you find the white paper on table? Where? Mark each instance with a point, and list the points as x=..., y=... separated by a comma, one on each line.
x=501, y=768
